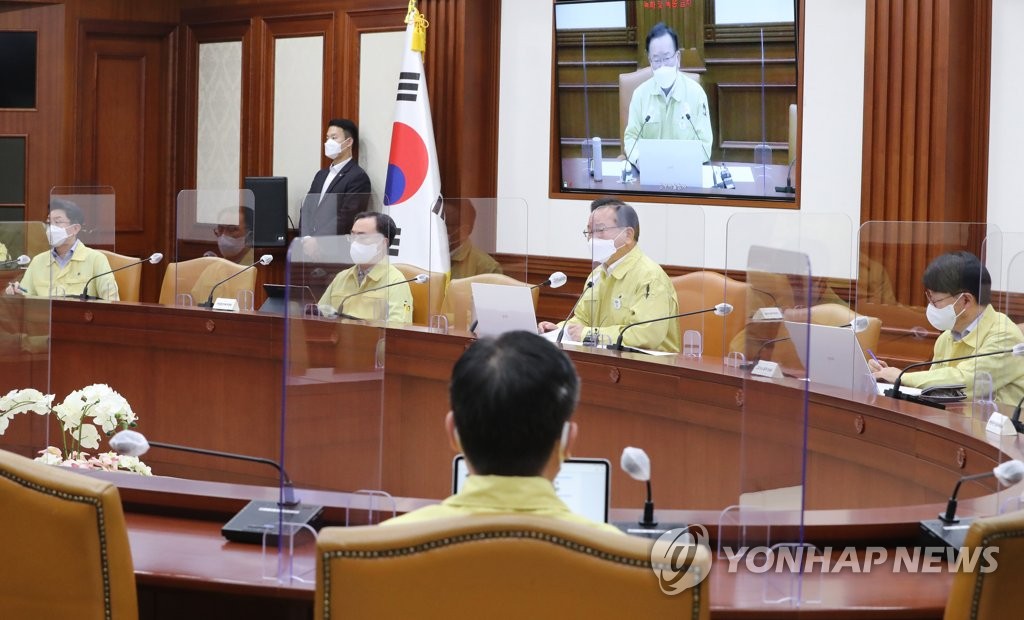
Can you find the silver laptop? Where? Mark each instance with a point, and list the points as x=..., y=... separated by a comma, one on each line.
x=836, y=358
x=672, y=162
x=583, y=484
x=500, y=308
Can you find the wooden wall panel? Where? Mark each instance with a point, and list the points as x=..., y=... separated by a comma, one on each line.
x=926, y=106
x=123, y=116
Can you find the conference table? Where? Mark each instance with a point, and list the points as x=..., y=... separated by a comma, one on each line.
x=874, y=467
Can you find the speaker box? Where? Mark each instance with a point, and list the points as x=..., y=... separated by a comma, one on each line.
x=271, y=210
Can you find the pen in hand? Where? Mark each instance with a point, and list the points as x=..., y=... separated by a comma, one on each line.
x=877, y=361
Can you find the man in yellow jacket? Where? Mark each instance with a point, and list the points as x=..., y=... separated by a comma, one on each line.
x=627, y=287
x=959, y=290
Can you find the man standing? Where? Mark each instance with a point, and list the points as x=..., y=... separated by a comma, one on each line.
x=511, y=403
x=668, y=106
x=340, y=191
x=628, y=287
x=361, y=287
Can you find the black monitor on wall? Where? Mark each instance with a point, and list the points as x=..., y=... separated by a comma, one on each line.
x=271, y=196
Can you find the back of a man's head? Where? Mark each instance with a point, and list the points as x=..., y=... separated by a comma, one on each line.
x=510, y=398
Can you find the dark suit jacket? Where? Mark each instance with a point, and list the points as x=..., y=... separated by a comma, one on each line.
x=347, y=196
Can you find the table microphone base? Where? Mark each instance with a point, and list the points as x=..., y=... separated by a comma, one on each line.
x=259, y=517
x=948, y=534
x=633, y=528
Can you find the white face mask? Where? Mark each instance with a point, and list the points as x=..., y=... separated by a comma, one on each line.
x=332, y=148
x=230, y=246
x=943, y=318
x=56, y=235
x=602, y=249
x=665, y=76
x=363, y=253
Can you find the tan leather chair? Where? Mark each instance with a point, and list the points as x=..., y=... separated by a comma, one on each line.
x=501, y=566
x=996, y=594
x=65, y=545
x=628, y=82
x=458, y=302
x=197, y=276
x=426, y=297
x=128, y=280
x=705, y=289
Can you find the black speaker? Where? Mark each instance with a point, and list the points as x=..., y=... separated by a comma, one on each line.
x=271, y=226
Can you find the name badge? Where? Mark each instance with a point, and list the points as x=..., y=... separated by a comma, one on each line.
x=617, y=303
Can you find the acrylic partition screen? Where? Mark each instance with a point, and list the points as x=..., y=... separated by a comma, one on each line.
x=893, y=260
x=86, y=214
x=213, y=242
x=25, y=344
x=342, y=293
x=719, y=133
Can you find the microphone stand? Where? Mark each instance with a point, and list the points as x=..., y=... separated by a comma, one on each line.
x=629, y=155
x=341, y=306
x=209, y=300
x=618, y=343
x=561, y=330
x=788, y=189
x=85, y=296
x=1015, y=417
x=894, y=391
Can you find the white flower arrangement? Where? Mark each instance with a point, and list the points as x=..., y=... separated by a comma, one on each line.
x=80, y=414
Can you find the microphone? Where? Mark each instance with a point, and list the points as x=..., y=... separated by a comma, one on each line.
x=722, y=309
x=154, y=258
x=258, y=516
x=561, y=330
x=420, y=279
x=947, y=528
x=894, y=391
x=264, y=260
x=13, y=263
x=707, y=155
x=556, y=280
x=637, y=464
x=1015, y=417
x=788, y=189
x=629, y=155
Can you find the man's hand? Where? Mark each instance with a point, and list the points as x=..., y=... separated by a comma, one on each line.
x=887, y=374
x=14, y=288
x=546, y=326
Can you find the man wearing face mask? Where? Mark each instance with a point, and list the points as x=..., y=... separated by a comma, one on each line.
x=666, y=100
x=628, y=287
x=66, y=268
x=372, y=234
x=341, y=190
x=959, y=289
x=511, y=402
x=234, y=236
x=466, y=259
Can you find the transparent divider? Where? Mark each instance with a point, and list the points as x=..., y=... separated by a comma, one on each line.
x=213, y=250
x=82, y=219
x=24, y=346
x=473, y=226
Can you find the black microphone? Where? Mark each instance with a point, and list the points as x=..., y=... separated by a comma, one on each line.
x=264, y=260
x=894, y=391
x=556, y=280
x=788, y=189
x=257, y=517
x=722, y=309
x=561, y=330
x=707, y=155
x=154, y=258
x=1015, y=417
x=638, y=134
x=420, y=279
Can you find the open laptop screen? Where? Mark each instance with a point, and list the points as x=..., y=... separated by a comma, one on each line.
x=583, y=484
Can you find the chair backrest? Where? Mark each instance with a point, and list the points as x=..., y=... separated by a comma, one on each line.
x=628, y=82
x=458, y=302
x=426, y=297
x=465, y=567
x=704, y=289
x=128, y=280
x=995, y=593
x=56, y=523
x=197, y=276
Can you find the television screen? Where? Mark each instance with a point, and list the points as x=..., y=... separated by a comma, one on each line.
x=670, y=97
x=17, y=69
x=270, y=228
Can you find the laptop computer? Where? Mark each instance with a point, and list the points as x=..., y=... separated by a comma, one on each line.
x=298, y=298
x=501, y=308
x=836, y=358
x=672, y=162
x=583, y=484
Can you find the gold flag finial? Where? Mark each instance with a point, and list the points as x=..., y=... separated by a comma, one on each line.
x=411, y=12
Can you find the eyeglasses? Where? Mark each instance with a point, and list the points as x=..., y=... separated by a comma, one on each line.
x=364, y=237
x=933, y=301
x=659, y=61
x=587, y=234
x=232, y=231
